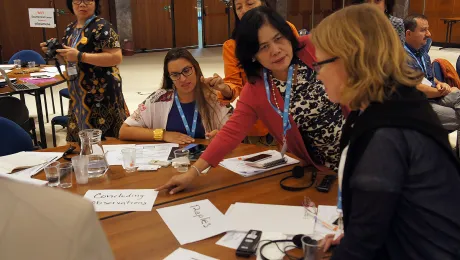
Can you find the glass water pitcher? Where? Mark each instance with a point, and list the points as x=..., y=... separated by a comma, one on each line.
x=91, y=145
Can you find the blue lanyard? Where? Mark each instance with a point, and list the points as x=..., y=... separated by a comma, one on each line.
x=415, y=58
x=184, y=120
x=287, y=99
x=75, y=42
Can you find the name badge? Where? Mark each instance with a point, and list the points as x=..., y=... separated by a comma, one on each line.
x=72, y=71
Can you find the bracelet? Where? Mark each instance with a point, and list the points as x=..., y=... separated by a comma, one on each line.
x=197, y=171
x=80, y=55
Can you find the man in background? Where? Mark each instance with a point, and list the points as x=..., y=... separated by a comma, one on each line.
x=445, y=99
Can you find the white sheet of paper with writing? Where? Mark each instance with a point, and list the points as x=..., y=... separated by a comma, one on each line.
x=193, y=221
x=290, y=220
x=122, y=200
x=184, y=254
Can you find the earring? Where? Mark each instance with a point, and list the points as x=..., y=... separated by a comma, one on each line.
x=253, y=59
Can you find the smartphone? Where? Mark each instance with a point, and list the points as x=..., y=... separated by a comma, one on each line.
x=197, y=149
x=258, y=157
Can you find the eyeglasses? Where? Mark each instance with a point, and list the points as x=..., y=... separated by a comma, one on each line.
x=187, y=71
x=86, y=2
x=317, y=65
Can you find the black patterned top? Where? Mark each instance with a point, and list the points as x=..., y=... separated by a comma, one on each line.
x=398, y=24
x=96, y=97
x=319, y=120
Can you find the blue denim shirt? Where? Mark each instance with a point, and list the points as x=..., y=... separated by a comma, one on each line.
x=421, y=61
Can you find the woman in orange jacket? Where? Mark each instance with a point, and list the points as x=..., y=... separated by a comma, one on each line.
x=230, y=87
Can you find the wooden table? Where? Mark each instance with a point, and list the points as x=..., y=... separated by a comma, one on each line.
x=144, y=235
x=6, y=91
x=217, y=179
x=450, y=23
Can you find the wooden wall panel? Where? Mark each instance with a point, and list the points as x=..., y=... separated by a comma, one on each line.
x=435, y=10
x=152, y=24
x=186, y=23
x=16, y=32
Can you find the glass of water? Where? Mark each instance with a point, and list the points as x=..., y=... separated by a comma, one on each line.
x=80, y=168
x=182, y=161
x=31, y=64
x=129, y=159
x=65, y=173
x=52, y=174
x=312, y=249
x=17, y=63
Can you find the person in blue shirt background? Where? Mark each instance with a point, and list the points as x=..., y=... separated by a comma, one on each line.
x=444, y=99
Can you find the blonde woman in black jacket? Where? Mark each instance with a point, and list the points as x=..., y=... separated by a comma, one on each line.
x=399, y=179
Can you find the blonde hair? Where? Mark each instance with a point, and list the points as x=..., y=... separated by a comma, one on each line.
x=374, y=58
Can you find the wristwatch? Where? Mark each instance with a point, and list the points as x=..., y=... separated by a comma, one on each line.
x=158, y=134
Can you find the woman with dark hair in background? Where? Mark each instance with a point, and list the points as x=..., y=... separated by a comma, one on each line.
x=235, y=78
x=387, y=6
x=159, y=117
x=282, y=92
x=91, y=53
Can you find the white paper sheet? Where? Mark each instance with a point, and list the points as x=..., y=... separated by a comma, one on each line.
x=44, y=74
x=290, y=220
x=23, y=179
x=7, y=66
x=238, y=166
x=144, y=153
x=30, y=172
x=26, y=160
x=193, y=221
x=54, y=69
x=328, y=214
x=122, y=200
x=232, y=239
x=184, y=254
x=425, y=81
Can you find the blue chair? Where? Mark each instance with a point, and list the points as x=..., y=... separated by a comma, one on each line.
x=13, y=138
x=30, y=55
x=438, y=71
x=26, y=56
x=13, y=109
x=58, y=120
x=457, y=66
x=63, y=93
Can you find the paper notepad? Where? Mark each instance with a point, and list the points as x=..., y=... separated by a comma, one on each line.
x=23, y=160
x=290, y=220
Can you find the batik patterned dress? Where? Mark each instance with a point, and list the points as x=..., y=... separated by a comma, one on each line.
x=96, y=97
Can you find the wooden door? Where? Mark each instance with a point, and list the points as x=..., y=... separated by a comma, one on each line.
x=300, y=13
x=152, y=24
x=416, y=6
x=324, y=8
x=186, y=23
x=64, y=17
x=215, y=22
x=15, y=31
